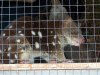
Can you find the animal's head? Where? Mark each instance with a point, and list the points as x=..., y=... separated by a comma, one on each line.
x=72, y=33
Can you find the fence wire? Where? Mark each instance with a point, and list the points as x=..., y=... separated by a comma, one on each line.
x=49, y=31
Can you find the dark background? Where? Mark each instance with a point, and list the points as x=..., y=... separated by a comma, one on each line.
x=12, y=10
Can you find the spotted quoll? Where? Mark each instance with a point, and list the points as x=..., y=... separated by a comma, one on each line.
x=24, y=39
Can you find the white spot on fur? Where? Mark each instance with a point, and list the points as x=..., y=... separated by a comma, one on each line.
x=4, y=49
x=19, y=31
x=4, y=34
x=55, y=36
x=53, y=43
x=8, y=54
x=18, y=40
x=12, y=61
x=16, y=56
x=21, y=34
x=9, y=48
x=40, y=34
x=10, y=26
x=36, y=45
x=51, y=31
x=59, y=42
x=33, y=33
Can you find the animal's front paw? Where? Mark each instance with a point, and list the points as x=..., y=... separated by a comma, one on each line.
x=69, y=61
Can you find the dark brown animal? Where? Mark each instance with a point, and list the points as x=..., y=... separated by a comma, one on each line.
x=26, y=39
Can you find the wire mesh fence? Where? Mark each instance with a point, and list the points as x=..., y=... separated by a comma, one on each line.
x=49, y=31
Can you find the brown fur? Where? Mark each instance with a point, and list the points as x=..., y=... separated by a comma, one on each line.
x=52, y=51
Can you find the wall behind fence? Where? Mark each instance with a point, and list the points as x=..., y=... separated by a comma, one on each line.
x=52, y=72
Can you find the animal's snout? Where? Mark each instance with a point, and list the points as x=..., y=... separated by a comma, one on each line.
x=79, y=41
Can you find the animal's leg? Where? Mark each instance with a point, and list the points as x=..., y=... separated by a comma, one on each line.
x=61, y=57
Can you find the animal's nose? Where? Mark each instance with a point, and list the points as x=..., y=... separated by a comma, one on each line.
x=81, y=40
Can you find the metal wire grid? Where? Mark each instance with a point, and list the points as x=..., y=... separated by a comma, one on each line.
x=88, y=55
